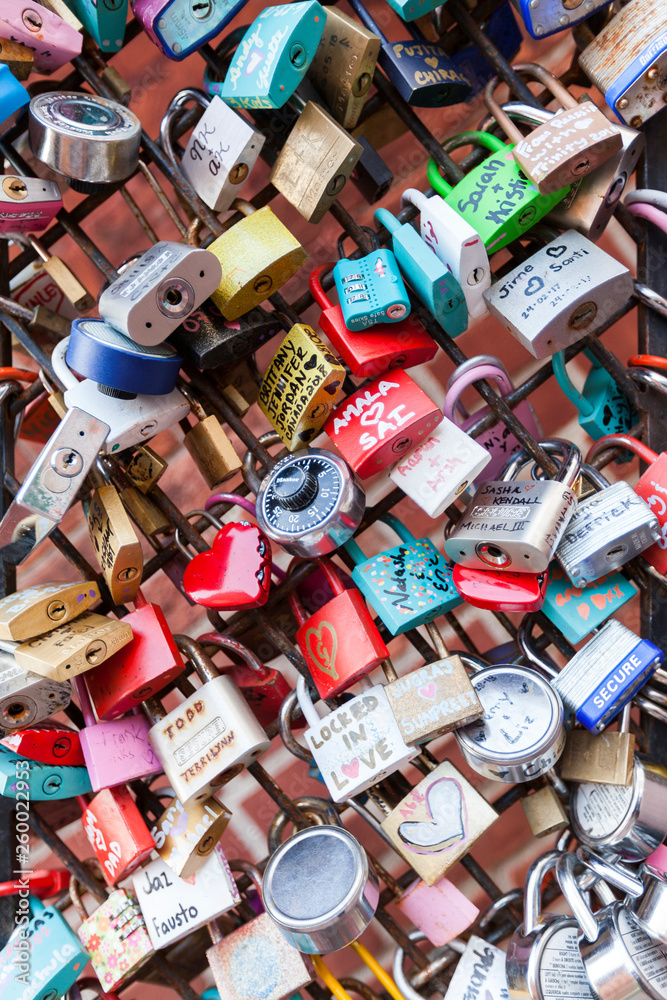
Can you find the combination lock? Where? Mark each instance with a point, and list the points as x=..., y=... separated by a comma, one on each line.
x=310, y=503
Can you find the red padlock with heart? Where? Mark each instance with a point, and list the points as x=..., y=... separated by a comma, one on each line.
x=497, y=591
x=340, y=641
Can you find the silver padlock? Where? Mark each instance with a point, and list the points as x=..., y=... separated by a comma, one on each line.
x=650, y=909
x=566, y=289
x=606, y=530
x=221, y=151
x=27, y=699
x=516, y=524
x=627, y=820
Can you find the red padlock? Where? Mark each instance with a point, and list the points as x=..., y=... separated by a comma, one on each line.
x=498, y=591
x=43, y=882
x=380, y=422
x=340, y=642
x=262, y=687
x=117, y=833
x=48, y=743
x=381, y=348
x=138, y=670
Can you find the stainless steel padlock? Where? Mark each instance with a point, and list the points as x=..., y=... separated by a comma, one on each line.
x=26, y=698
x=516, y=524
x=650, y=909
x=221, y=151
x=566, y=289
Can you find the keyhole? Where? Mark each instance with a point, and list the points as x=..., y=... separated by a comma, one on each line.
x=32, y=20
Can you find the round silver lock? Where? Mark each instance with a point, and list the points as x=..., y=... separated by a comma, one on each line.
x=521, y=734
x=87, y=138
x=320, y=889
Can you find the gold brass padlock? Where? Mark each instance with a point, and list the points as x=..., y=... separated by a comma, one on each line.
x=79, y=297
x=31, y=612
x=302, y=385
x=184, y=838
x=606, y=758
x=544, y=812
x=258, y=255
x=116, y=544
x=343, y=67
x=315, y=163
x=18, y=58
x=145, y=468
x=241, y=379
x=208, y=445
x=74, y=647
x=144, y=512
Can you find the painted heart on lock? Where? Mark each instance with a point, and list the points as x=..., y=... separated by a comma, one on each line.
x=235, y=573
x=444, y=804
x=428, y=691
x=322, y=645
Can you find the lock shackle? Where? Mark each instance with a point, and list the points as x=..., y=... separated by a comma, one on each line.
x=569, y=469
x=234, y=498
x=536, y=72
x=412, y=196
x=61, y=369
x=192, y=651
x=287, y=709
x=154, y=710
x=385, y=218
x=466, y=366
x=196, y=405
x=456, y=945
x=305, y=700
x=596, y=478
x=438, y=642
x=609, y=441
x=330, y=573
x=89, y=983
x=617, y=874
x=524, y=637
x=574, y=895
x=472, y=138
x=85, y=704
x=532, y=907
x=320, y=811
x=568, y=387
x=249, y=472
x=403, y=533
x=227, y=643
x=214, y=521
x=372, y=235
x=460, y=383
x=249, y=869
x=93, y=866
x=315, y=286
x=175, y=109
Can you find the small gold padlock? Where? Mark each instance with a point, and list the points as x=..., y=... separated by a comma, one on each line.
x=184, y=838
x=116, y=544
x=315, y=163
x=258, y=255
x=208, y=445
x=606, y=758
x=18, y=58
x=544, y=812
x=343, y=67
x=145, y=468
x=241, y=379
x=31, y=612
x=144, y=512
x=79, y=297
x=57, y=401
x=302, y=385
x=74, y=647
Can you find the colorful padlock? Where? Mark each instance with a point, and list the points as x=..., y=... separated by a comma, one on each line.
x=370, y=288
x=603, y=406
x=577, y=611
x=117, y=833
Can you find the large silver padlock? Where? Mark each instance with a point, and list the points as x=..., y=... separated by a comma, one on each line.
x=516, y=524
x=27, y=699
x=566, y=289
x=650, y=909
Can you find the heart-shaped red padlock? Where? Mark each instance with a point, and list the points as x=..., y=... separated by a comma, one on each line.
x=498, y=591
x=235, y=573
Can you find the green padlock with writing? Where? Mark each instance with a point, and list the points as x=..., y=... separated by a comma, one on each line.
x=496, y=198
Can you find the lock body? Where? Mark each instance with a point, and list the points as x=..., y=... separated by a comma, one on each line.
x=649, y=908
x=53, y=41
x=500, y=590
x=74, y=647
x=604, y=759
x=212, y=451
x=27, y=698
x=27, y=204
x=14, y=98
x=35, y=610
x=118, y=752
x=408, y=10
x=209, y=340
x=49, y=743
x=371, y=290
x=185, y=838
x=433, y=699
x=544, y=812
x=424, y=74
x=380, y=348
x=651, y=489
x=103, y=354
x=440, y=911
x=42, y=782
x=55, y=954
x=622, y=951
x=105, y=22
x=550, y=16
x=547, y=960
x=576, y=611
x=343, y=67
x=117, y=833
x=234, y=573
x=179, y=27
x=116, y=939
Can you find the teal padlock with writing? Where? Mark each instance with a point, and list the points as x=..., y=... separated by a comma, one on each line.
x=576, y=611
x=430, y=279
x=408, y=585
x=40, y=781
x=43, y=957
x=603, y=406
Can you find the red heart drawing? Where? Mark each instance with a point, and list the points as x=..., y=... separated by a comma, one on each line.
x=599, y=600
x=351, y=770
x=584, y=611
x=428, y=691
x=235, y=573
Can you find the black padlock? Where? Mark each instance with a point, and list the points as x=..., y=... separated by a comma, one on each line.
x=208, y=340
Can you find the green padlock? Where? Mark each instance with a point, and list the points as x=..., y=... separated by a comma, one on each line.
x=495, y=198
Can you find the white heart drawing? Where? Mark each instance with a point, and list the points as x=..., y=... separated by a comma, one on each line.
x=446, y=827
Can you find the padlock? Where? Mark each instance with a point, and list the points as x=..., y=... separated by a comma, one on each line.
x=606, y=673
x=603, y=406
x=339, y=642
x=38, y=609
x=357, y=745
x=301, y=386
x=371, y=176
x=438, y=821
x=517, y=525
x=208, y=445
x=17, y=57
x=173, y=907
x=258, y=255
x=440, y=911
x=67, y=282
x=39, y=782
x=430, y=279
x=542, y=954
x=408, y=585
x=210, y=737
x=141, y=669
x=582, y=299
x=221, y=151
x=435, y=698
x=73, y=648
x=53, y=41
x=626, y=61
x=381, y=422
x=649, y=908
x=576, y=611
x=184, y=839
x=408, y=10
x=235, y=572
x=43, y=956
x=343, y=66
x=104, y=21
x=370, y=288
x=14, y=99
x=27, y=698
x=117, y=833
x=27, y=204
x=550, y=16
x=456, y=244
x=606, y=759
x=115, y=544
x=209, y=340
x=145, y=513
x=48, y=743
x=510, y=202
x=382, y=347
x=570, y=145
x=544, y=811
x=496, y=590
x=498, y=440
x=179, y=27
x=315, y=162
x=145, y=468
x=310, y=503
x=606, y=530
x=423, y=73
x=115, y=936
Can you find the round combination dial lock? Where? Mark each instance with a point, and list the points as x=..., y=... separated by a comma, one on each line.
x=310, y=503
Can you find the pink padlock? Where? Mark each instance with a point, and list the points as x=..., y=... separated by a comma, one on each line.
x=440, y=911
x=658, y=859
x=498, y=440
x=115, y=752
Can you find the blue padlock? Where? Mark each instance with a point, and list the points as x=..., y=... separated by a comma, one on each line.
x=408, y=10
x=429, y=278
x=273, y=56
x=98, y=351
x=43, y=781
x=43, y=957
x=370, y=289
x=105, y=21
x=408, y=585
x=576, y=611
x=13, y=98
x=548, y=16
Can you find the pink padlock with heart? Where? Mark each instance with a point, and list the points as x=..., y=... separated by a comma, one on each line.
x=440, y=911
x=498, y=439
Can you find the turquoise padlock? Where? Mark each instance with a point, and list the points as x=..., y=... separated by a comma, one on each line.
x=429, y=278
x=576, y=611
x=40, y=781
x=408, y=10
x=603, y=406
x=408, y=585
x=43, y=957
x=273, y=56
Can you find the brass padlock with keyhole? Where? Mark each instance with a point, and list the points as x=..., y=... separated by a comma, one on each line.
x=74, y=647
x=145, y=468
x=606, y=758
x=116, y=544
x=145, y=512
x=208, y=445
x=544, y=811
x=75, y=293
x=31, y=612
x=343, y=67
